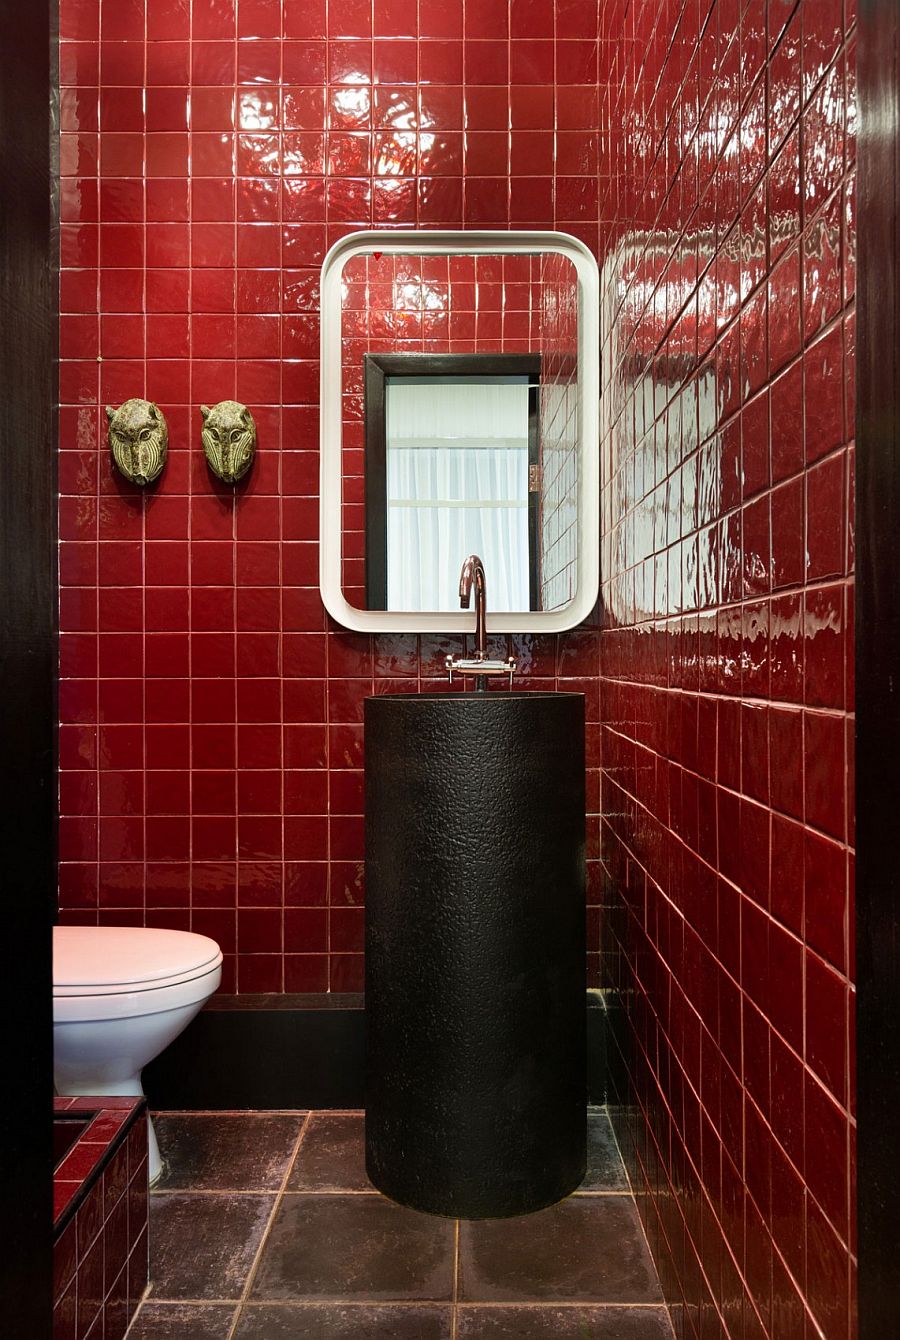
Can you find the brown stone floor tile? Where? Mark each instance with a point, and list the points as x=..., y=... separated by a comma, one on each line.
x=586, y=1249
x=202, y=1247
x=225, y=1151
x=355, y=1247
x=344, y=1321
x=332, y=1155
x=183, y=1321
x=563, y=1323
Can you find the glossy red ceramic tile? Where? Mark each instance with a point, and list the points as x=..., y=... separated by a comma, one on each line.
x=727, y=572
x=100, y=1255
x=211, y=153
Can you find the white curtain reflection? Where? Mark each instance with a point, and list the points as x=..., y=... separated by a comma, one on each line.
x=457, y=483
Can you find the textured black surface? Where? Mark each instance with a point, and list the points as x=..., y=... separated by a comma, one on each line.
x=475, y=1076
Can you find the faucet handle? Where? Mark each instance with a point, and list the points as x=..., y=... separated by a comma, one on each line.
x=471, y=666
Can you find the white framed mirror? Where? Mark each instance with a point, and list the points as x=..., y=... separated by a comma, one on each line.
x=460, y=392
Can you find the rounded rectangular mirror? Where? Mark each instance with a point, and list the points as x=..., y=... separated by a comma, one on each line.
x=460, y=402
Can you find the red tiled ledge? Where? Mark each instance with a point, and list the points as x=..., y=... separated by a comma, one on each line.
x=100, y=1216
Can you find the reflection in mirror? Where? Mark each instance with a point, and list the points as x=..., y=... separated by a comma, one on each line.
x=451, y=468
x=460, y=432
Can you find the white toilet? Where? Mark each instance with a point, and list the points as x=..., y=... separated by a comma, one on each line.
x=120, y=995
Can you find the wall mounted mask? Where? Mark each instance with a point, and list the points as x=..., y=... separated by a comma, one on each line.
x=139, y=439
x=229, y=439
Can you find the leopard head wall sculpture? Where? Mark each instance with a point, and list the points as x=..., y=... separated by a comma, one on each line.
x=139, y=439
x=229, y=439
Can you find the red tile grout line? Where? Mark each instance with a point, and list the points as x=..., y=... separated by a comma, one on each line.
x=280, y=634
x=641, y=505
x=807, y=1069
x=235, y=140
x=767, y=805
x=674, y=1126
x=795, y=124
x=232, y=632
x=145, y=501
x=808, y=343
x=792, y=934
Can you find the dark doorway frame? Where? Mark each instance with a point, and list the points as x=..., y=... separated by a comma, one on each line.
x=376, y=369
x=28, y=394
x=878, y=668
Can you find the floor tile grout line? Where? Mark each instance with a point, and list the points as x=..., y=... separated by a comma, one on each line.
x=214, y=1191
x=251, y=1276
x=575, y=1304
x=256, y=1113
x=611, y=1191
x=482, y=1304
x=454, y=1313
x=339, y=1191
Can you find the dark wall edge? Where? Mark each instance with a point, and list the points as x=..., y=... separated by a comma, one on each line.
x=878, y=668
x=301, y=1055
x=28, y=334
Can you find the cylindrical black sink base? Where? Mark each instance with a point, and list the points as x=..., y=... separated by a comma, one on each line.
x=475, y=950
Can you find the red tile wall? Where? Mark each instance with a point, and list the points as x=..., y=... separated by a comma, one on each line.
x=211, y=739
x=727, y=247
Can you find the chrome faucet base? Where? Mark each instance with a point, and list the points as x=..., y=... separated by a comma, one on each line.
x=466, y=666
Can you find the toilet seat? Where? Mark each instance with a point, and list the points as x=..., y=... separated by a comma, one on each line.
x=147, y=1000
x=117, y=972
x=109, y=960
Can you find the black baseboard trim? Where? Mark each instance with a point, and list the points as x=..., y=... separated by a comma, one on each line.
x=292, y=1052
x=598, y=1048
x=265, y=1052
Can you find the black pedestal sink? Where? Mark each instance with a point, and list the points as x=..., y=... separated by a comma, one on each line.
x=475, y=950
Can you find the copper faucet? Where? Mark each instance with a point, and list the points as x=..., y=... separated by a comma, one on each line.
x=477, y=665
x=473, y=570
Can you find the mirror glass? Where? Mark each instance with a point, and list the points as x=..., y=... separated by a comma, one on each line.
x=461, y=431
x=451, y=454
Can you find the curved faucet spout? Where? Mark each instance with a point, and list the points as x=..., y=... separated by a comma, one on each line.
x=478, y=665
x=473, y=571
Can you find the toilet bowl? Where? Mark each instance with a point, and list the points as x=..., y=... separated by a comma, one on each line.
x=120, y=995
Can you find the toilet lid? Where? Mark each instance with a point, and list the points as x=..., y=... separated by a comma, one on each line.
x=119, y=958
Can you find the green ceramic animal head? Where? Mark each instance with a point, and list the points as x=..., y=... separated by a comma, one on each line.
x=139, y=439
x=229, y=439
